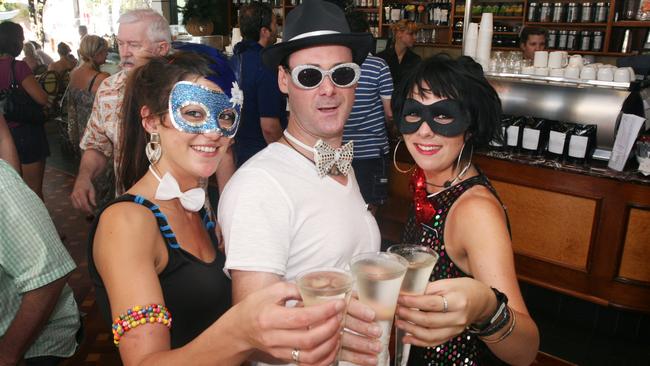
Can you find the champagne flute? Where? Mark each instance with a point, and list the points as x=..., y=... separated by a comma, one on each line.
x=322, y=284
x=379, y=277
x=421, y=261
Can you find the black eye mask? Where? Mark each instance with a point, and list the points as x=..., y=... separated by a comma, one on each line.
x=445, y=117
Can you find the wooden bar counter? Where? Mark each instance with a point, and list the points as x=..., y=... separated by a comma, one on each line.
x=582, y=231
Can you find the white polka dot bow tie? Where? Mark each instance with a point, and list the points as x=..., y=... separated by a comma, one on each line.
x=328, y=160
x=333, y=161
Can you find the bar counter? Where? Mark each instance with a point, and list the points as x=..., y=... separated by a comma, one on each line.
x=581, y=231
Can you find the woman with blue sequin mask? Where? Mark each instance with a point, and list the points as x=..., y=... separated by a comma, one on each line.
x=153, y=253
x=472, y=312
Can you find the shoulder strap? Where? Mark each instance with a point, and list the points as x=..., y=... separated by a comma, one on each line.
x=92, y=81
x=11, y=74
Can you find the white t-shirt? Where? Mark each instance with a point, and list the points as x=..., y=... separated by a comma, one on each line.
x=278, y=216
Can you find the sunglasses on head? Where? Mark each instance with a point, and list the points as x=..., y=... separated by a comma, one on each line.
x=310, y=76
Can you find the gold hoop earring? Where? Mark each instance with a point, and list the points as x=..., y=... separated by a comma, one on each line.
x=399, y=141
x=153, y=150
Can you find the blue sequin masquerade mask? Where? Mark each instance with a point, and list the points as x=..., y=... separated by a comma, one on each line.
x=197, y=109
x=444, y=117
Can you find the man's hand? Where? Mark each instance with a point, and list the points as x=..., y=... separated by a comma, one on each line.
x=93, y=162
x=83, y=195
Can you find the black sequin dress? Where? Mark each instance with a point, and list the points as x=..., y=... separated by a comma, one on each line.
x=466, y=348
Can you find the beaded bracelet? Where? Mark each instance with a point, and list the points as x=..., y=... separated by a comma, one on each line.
x=507, y=333
x=137, y=316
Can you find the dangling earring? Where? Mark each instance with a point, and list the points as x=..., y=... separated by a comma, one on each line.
x=153, y=149
x=399, y=141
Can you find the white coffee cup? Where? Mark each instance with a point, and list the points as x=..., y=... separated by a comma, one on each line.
x=540, y=59
x=605, y=74
x=541, y=71
x=632, y=73
x=572, y=72
x=557, y=59
x=575, y=60
x=622, y=75
x=528, y=70
x=556, y=73
x=588, y=73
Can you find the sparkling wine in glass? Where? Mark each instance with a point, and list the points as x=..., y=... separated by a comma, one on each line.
x=378, y=278
x=322, y=284
x=421, y=261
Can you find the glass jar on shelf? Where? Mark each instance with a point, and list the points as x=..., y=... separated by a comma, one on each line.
x=587, y=13
x=545, y=13
x=533, y=12
x=602, y=9
x=572, y=13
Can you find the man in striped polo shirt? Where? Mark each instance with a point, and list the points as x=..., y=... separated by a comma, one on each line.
x=366, y=125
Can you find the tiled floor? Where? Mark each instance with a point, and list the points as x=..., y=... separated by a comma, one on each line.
x=571, y=330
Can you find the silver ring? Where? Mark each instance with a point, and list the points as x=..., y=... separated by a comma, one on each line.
x=445, y=304
x=295, y=355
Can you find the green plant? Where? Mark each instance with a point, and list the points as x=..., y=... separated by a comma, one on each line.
x=200, y=9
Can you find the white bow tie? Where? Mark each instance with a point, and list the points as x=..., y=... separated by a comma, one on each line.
x=168, y=189
x=328, y=160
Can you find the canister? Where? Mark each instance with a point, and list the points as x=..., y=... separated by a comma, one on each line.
x=572, y=13
x=572, y=40
x=558, y=13
x=601, y=12
x=597, y=43
x=545, y=13
x=563, y=35
x=533, y=10
x=587, y=13
x=585, y=40
x=551, y=41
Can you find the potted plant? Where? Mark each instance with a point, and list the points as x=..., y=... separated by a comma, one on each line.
x=198, y=16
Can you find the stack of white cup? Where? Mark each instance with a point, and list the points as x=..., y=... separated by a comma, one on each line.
x=560, y=64
x=484, y=42
x=471, y=39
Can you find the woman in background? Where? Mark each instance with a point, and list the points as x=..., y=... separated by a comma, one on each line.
x=398, y=56
x=473, y=312
x=84, y=81
x=66, y=61
x=30, y=139
x=33, y=59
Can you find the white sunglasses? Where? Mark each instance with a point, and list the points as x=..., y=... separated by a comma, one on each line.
x=310, y=76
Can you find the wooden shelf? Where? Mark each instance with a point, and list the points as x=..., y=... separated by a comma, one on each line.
x=632, y=24
x=596, y=53
x=367, y=10
x=422, y=26
x=496, y=17
x=495, y=33
x=513, y=48
x=432, y=44
x=576, y=25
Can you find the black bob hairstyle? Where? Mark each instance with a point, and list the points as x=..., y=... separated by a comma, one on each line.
x=459, y=79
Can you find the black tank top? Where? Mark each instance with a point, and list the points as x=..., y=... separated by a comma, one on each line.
x=195, y=292
x=466, y=348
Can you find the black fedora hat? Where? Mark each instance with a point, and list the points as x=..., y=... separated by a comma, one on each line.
x=314, y=23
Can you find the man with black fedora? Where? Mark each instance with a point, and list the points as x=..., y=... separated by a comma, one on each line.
x=296, y=204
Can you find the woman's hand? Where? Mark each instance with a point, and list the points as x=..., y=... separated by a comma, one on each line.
x=310, y=333
x=361, y=348
x=444, y=311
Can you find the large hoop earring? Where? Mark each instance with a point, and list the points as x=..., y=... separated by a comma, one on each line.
x=399, y=141
x=153, y=148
